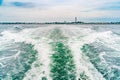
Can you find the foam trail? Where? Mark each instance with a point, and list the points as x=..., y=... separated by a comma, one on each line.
x=82, y=64
x=27, y=36
x=40, y=68
x=73, y=38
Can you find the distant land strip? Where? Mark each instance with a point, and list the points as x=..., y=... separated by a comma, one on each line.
x=60, y=23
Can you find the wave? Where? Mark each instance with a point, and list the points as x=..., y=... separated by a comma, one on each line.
x=16, y=65
x=65, y=52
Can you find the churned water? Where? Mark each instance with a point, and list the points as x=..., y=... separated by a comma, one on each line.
x=59, y=52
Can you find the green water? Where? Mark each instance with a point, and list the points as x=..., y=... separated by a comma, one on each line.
x=104, y=68
x=19, y=66
x=59, y=52
x=62, y=66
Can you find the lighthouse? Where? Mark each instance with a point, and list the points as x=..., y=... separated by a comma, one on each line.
x=75, y=19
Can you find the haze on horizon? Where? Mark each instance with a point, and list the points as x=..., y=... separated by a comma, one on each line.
x=59, y=10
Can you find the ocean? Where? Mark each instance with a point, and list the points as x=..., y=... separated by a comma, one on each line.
x=59, y=52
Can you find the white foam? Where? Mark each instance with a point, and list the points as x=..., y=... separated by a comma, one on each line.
x=77, y=37
x=29, y=36
x=75, y=43
x=13, y=56
x=43, y=62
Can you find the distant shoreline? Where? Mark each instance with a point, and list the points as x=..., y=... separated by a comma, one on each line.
x=60, y=23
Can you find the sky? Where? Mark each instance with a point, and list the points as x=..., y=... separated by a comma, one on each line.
x=59, y=10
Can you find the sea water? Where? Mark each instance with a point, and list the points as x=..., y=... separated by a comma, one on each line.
x=59, y=52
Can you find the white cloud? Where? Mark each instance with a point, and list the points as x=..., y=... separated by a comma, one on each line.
x=52, y=10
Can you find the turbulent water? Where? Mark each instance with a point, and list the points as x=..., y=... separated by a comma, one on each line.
x=59, y=52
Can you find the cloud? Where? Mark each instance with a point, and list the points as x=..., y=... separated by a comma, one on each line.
x=58, y=10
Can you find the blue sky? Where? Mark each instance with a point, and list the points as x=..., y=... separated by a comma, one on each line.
x=59, y=10
x=1, y=2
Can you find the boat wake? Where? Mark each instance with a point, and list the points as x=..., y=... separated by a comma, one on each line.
x=59, y=52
